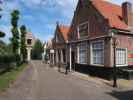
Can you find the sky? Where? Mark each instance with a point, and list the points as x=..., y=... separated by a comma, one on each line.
x=39, y=16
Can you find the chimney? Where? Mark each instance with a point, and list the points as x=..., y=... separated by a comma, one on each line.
x=127, y=12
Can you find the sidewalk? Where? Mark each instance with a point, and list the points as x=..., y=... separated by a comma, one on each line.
x=122, y=83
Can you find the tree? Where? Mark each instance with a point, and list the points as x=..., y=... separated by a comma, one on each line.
x=15, y=35
x=23, y=41
x=2, y=34
x=37, y=50
x=15, y=32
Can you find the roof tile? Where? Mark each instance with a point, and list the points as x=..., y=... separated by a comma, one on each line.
x=64, y=30
x=112, y=12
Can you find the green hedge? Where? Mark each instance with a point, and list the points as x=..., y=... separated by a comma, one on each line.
x=6, y=59
x=9, y=58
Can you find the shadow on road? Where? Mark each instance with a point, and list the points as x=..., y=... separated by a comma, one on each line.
x=122, y=95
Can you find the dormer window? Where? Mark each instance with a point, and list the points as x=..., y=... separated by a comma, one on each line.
x=29, y=41
x=83, y=30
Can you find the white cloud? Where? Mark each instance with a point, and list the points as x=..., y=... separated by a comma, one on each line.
x=31, y=3
x=10, y=5
x=63, y=8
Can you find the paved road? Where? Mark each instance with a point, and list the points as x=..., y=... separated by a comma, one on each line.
x=39, y=82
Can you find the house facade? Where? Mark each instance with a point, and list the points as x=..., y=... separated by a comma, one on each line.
x=30, y=41
x=91, y=36
x=50, y=53
x=60, y=44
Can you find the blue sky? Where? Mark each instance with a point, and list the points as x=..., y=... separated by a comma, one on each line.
x=39, y=16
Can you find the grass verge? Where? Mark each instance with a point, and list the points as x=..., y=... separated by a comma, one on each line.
x=9, y=77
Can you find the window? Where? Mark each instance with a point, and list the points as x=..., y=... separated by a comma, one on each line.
x=98, y=52
x=121, y=58
x=82, y=53
x=29, y=41
x=83, y=30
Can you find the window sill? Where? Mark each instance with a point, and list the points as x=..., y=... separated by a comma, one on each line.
x=121, y=65
x=99, y=65
x=82, y=63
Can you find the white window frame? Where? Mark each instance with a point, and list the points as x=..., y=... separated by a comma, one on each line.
x=91, y=52
x=125, y=58
x=86, y=22
x=78, y=54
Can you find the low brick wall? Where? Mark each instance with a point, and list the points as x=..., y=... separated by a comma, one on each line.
x=127, y=73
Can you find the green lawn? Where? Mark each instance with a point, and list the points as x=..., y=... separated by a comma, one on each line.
x=9, y=77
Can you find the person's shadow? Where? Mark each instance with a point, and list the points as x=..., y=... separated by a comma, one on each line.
x=122, y=95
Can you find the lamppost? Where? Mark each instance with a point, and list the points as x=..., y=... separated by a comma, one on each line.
x=114, y=43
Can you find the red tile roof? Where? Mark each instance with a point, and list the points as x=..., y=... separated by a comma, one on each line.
x=64, y=31
x=112, y=12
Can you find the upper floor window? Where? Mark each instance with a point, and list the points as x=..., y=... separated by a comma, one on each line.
x=83, y=30
x=29, y=41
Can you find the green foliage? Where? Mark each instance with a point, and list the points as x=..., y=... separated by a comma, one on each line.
x=7, y=59
x=114, y=30
x=2, y=44
x=7, y=78
x=23, y=41
x=2, y=34
x=6, y=56
x=14, y=30
x=37, y=50
x=3, y=48
x=15, y=18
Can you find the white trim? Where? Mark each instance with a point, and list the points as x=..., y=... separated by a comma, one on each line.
x=83, y=23
x=126, y=57
x=97, y=65
x=91, y=54
x=70, y=58
x=77, y=53
x=125, y=32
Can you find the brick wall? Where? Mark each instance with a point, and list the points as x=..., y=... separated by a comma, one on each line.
x=126, y=41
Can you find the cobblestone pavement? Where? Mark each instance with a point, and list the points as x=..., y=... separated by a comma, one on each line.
x=40, y=82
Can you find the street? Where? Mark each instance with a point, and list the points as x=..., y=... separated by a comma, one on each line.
x=40, y=82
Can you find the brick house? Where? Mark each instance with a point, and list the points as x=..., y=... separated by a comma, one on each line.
x=90, y=39
x=60, y=43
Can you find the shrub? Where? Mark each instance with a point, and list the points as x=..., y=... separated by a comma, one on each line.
x=37, y=50
x=8, y=58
